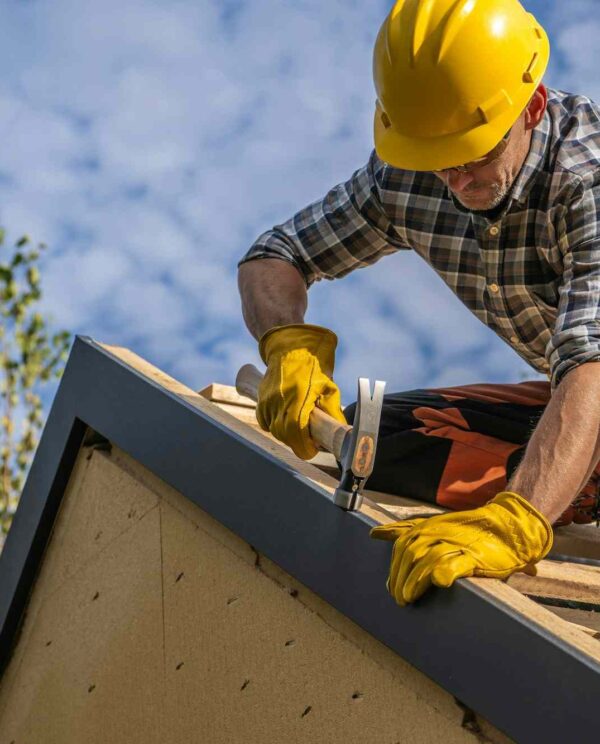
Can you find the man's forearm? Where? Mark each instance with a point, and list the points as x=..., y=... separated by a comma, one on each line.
x=564, y=448
x=273, y=293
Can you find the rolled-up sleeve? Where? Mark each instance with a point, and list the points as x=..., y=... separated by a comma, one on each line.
x=346, y=230
x=576, y=336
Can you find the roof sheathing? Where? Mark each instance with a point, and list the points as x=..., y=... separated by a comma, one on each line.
x=519, y=675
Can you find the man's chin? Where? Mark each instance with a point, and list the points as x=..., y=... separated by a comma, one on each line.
x=475, y=200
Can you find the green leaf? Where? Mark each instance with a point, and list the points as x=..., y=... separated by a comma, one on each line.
x=33, y=276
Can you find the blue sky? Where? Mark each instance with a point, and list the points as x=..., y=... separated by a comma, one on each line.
x=148, y=143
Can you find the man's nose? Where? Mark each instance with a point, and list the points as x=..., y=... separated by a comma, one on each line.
x=458, y=180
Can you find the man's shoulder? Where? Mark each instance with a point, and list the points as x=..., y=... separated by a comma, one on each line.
x=574, y=136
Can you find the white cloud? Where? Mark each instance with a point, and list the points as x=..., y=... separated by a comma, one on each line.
x=148, y=144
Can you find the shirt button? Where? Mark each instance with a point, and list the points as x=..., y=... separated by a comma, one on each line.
x=494, y=288
x=494, y=230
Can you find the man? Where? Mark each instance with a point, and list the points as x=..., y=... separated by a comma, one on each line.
x=495, y=181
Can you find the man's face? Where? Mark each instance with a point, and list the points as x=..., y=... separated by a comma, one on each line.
x=486, y=186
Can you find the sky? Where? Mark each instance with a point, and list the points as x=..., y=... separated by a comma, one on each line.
x=149, y=143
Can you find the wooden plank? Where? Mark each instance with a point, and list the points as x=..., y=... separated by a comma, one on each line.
x=587, y=621
x=580, y=540
x=218, y=393
x=556, y=580
x=241, y=413
x=570, y=633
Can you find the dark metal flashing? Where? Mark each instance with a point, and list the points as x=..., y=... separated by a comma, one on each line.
x=523, y=679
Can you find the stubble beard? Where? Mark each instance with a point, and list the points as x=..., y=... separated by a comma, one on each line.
x=497, y=194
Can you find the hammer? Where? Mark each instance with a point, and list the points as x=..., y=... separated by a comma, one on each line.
x=353, y=446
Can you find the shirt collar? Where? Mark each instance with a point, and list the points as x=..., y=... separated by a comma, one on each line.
x=532, y=166
x=534, y=162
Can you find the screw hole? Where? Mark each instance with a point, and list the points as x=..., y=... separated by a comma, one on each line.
x=180, y=576
x=179, y=665
x=307, y=710
x=246, y=683
x=91, y=688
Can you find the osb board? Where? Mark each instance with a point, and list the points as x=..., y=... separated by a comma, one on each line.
x=175, y=630
x=92, y=514
x=92, y=667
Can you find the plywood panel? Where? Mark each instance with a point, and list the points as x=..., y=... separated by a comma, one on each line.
x=246, y=661
x=101, y=504
x=93, y=667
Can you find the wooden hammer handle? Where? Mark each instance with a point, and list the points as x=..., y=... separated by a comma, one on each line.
x=324, y=430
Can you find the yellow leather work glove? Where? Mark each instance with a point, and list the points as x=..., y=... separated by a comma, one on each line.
x=299, y=361
x=506, y=535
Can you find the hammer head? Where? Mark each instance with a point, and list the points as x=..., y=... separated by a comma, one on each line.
x=360, y=445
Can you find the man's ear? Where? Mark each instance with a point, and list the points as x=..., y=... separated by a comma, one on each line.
x=536, y=107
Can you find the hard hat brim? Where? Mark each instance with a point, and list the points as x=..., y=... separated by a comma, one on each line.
x=438, y=153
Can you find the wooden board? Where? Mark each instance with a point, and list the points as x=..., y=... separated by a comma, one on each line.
x=589, y=622
x=561, y=581
x=581, y=540
x=226, y=394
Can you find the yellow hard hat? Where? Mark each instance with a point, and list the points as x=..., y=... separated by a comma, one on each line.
x=452, y=77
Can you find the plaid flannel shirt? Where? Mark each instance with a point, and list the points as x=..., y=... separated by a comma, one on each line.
x=532, y=273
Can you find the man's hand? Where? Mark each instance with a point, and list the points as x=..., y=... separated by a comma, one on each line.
x=299, y=361
x=506, y=535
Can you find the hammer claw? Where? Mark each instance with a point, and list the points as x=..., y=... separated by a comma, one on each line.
x=358, y=454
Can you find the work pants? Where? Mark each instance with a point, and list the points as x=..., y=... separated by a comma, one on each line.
x=458, y=447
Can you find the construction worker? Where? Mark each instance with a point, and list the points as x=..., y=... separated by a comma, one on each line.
x=494, y=180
